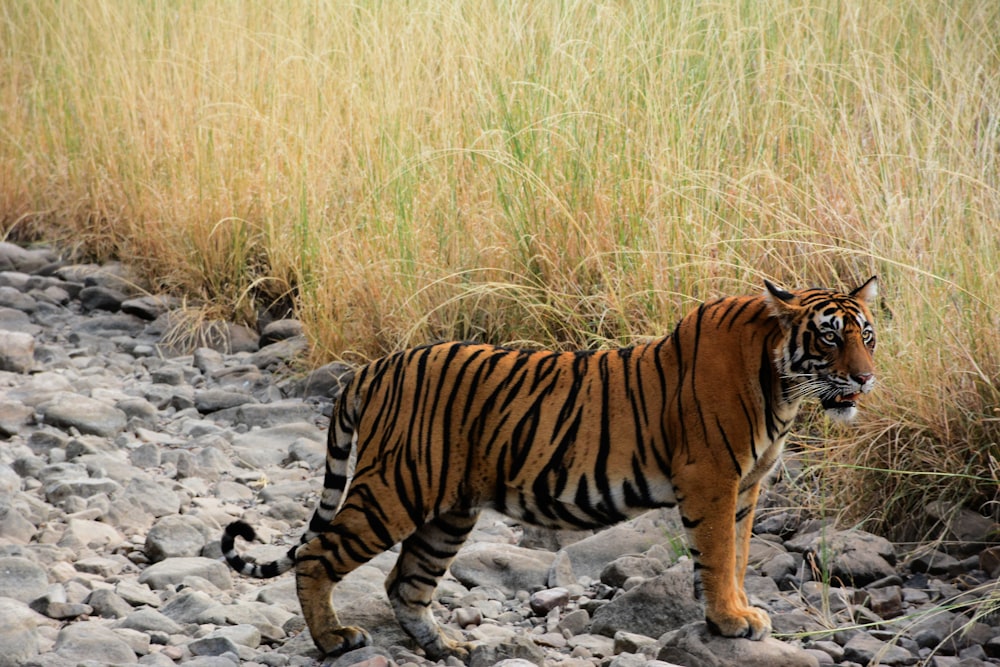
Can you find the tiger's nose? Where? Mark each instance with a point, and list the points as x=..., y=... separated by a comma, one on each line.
x=864, y=379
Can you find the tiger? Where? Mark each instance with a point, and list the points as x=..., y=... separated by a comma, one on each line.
x=577, y=439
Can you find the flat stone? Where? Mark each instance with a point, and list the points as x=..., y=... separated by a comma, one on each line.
x=150, y=620
x=11, y=297
x=504, y=566
x=173, y=571
x=212, y=400
x=86, y=415
x=863, y=648
x=101, y=298
x=15, y=258
x=16, y=321
x=280, y=352
x=92, y=641
x=694, y=645
x=149, y=307
x=22, y=579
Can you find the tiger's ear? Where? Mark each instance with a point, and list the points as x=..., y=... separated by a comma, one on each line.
x=867, y=292
x=782, y=303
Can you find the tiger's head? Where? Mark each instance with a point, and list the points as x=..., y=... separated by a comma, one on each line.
x=829, y=345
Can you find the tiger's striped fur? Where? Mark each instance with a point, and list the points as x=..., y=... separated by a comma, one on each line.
x=572, y=440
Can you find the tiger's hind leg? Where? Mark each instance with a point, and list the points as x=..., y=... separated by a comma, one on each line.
x=352, y=538
x=423, y=560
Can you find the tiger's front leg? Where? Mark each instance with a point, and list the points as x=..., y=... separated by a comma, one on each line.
x=710, y=517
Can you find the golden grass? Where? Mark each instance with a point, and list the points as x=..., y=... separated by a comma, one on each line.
x=567, y=174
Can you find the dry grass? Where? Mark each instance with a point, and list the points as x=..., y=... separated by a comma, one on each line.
x=567, y=174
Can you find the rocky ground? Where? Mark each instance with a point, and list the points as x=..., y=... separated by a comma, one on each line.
x=124, y=455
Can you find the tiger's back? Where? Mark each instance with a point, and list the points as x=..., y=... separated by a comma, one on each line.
x=572, y=439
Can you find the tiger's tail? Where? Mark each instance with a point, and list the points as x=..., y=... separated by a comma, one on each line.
x=340, y=444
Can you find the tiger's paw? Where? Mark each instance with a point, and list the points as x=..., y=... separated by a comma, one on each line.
x=342, y=639
x=448, y=645
x=748, y=622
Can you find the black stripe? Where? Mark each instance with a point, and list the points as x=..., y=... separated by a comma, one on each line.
x=729, y=447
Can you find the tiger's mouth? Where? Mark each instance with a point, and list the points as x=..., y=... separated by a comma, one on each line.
x=841, y=401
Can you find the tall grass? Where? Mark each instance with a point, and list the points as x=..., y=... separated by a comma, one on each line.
x=573, y=173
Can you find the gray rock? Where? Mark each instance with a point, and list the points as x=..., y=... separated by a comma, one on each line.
x=561, y=572
x=104, y=327
x=18, y=280
x=152, y=497
x=150, y=620
x=136, y=594
x=212, y=400
x=864, y=648
x=269, y=446
x=191, y=606
x=619, y=570
x=280, y=330
x=694, y=646
x=630, y=642
x=108, y=604
x=590, y=555
x=503, y=566
x=92, y=641
x=176, y=535
x=310, y=452
x=17, y=351
x=652, y=607
x=544, y=601
x=966, y=530
x=14, y=417
x=280, y=353
x=11, y=297
x=149, y=307
x=208, y=361
x=855, y=557
x=173, y=571
x=327, y=380
x=936, y=562
x=101, y=298
x=15, y=321
x=22, y=579
x=14, y=526
x=81, y=533
x=268, y=619
x=16, y=258
x=575, y=622
x=213, y=645
x=59, y=490
x=171, y=375
x=59, y=609
x=266, y=415
x=242, y=635
x=137, y=408
x=515, y=648
x=18, y=632
x=86, y=415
